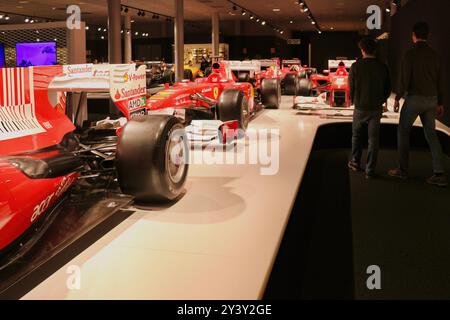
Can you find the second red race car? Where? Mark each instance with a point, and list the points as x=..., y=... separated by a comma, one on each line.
x=217, y=97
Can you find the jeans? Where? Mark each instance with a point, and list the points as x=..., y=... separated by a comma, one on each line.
x=425, y=108
x=372, y=119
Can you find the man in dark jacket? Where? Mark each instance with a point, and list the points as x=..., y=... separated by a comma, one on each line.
x=422, y=79
x=370, y=87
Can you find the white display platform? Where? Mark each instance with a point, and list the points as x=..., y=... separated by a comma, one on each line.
x=218, y=242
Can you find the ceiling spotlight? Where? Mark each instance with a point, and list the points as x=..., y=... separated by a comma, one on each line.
x=27, y=20
x=7, y=17
x=281, y=32
x=257, y=20
x=1, y=15
x=313, y=22
x=136, y=33
x=251, y=17
x=244, y=13
x=121, y=31
x=87, y=28
x=102, y=37
x=305, y=9
x=263, y=23
x=38, y=39
x=31, y=21
x=104, y=30
x=99, y=29
x=291, y=22
x=301, y=3
x=320, y=32
x=388, y=10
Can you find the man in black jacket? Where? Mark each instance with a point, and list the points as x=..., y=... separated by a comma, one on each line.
x=370, y=87
x=422, y=79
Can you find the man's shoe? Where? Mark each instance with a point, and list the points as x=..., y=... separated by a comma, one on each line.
x=352, y=165
x=397, y=173
x=440, y=181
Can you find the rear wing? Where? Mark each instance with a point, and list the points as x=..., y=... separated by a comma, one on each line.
x=248, y=66
x=292, y=62
x=334, y=64
x=33, y=100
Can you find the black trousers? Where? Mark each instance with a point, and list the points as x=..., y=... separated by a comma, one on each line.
x=372, y=119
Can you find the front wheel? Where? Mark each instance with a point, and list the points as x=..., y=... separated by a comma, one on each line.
x=271, y=93
x=233, y=105
x=152, y=158
x=305, y=87
x=291, y=84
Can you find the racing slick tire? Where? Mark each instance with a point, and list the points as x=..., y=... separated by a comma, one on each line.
x=244, y=77
x=291, y=84
x=188, y=75
x=169, y=77
x=271, y=93
x=233, y=105
x=305, y=87
x=151, y=159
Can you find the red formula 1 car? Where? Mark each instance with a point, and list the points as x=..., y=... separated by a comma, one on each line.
x=42, y=154
x=291, y=73
x=219, y=96
x=334, y=82
x=263, y=75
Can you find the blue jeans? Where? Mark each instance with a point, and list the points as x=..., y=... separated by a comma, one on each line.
x=425, y=108
x=372, y=120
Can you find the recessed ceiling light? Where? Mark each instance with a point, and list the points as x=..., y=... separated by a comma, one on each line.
x=276, y=10
x=291, y=22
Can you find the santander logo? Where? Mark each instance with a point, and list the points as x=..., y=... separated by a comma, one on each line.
x=76, y=70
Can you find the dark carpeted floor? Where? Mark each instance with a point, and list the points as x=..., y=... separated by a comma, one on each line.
x=404, y=228
x=341, y=224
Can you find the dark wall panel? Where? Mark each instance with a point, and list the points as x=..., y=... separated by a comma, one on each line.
x=328, y=45
x=435, y=13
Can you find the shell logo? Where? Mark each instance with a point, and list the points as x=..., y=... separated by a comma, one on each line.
x=216, y=92
x=126, y=77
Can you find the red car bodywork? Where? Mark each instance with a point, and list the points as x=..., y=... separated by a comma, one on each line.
x=25, y=128
x=294, y=66
x=32, y=126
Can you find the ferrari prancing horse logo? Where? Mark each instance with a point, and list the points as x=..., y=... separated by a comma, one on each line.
x=216, y=92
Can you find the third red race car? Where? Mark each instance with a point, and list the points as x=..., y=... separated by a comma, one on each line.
x=334, y=82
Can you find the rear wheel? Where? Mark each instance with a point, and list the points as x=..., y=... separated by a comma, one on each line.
x=233, y=105
x=271, y=93
x=151, y=158
x=169, y=77
x=305, y=87
x=291, y=84
x=188, y=75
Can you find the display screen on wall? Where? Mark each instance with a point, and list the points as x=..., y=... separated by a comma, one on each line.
x=36, y=54
x=2, y=55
